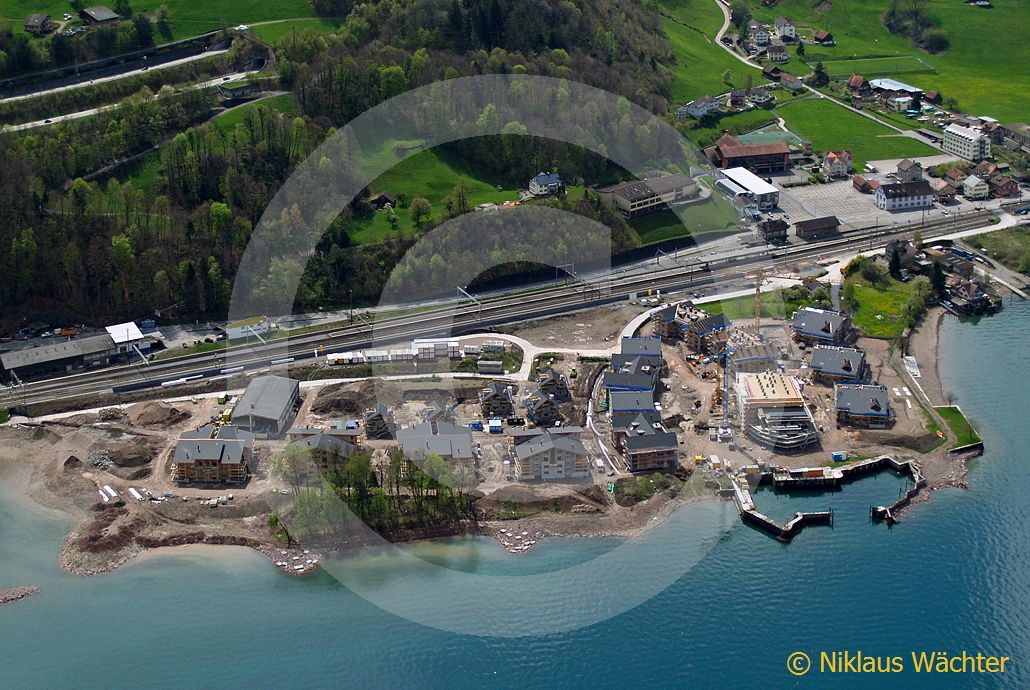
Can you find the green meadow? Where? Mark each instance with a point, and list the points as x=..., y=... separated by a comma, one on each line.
x=831, y=127
x=983, y=69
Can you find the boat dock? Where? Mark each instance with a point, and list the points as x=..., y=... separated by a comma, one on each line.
x=821, y=477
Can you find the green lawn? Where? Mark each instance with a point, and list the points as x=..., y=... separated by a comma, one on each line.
x=272, y=33
x=980, y=68
x=710, y=216
x=700, y=61
x=144, y=173
x=431, y=174
x=1010, y=247
x=831, y=127
x=737, y=123
x=282, y=103
x=880, y=67
x=773, y=306
x=880, y=306
x=187, y=17
x=962, y=430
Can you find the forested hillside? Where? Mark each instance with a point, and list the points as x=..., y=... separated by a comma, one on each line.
x=79, y=235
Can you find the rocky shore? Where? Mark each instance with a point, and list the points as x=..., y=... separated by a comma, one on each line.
x=8, y=596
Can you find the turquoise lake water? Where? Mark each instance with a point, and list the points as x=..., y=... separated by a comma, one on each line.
x=952, y=575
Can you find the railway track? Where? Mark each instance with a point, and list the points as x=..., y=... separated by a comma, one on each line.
x=459, y=318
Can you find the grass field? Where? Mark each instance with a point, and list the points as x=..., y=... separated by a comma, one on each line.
x=773, y=306
x=980, y=72
x=1010, y=247
x=738, y=123
x=704, y=217
x=830, y=127
x=700, y=62
x=144, y=173
x=960, y=427
x=273, y=33
x=880, y=306
x=282, y=103
x=879, y=67
x=187, y=17
x=431, y=174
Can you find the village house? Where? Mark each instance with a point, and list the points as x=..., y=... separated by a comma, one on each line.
x=837, y=164
x=863, y=405
x=898, y=102
x=39, y=24
x=551, y=456
x=785, y=29
x=699, y=108
x=545, y=184
x=830, y=364
x=904, y=196
x=858, y=86
x=985, y=169
x=950, y=262
x=1002, y=186
x=737, y=100
x=909, y=171
x=773, y=231
x=495, y=399
x=98, y=15
x=932, y=98
x=861, y=184
x=971, y=296
x=758, y=33
x=759, y=97
x=814, y=228
x=665, y=323
x=777, y=54
x=955, y=176
x=975, y=188
x=820, y=326
x=791, y=82
x=729, y=152
x=212, y=455
x=771, y=72
x=383, y=201
x=905, y=251
x=823, y=38
x=943, y=191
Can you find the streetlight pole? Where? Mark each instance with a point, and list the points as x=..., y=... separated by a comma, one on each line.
x=351, y=309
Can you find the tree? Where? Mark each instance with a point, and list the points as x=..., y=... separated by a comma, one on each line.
x=420, y=210
x=727, y=77
x=293, y=465
x=820, y=77
x=800, y=49
x=938, y=280
x=895, y=263
x=460, y=194
x=747, y=81
x=123, y=8
x=935, y=40
x=917, y=239
x=740, y=14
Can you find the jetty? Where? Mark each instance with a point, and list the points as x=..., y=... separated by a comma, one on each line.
x=8, y=596
x=832, y=478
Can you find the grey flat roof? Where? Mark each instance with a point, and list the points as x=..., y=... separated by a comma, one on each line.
x=449, y=440
x=818, y=321
x=66, y=349
x=101, y=13
x=653, y=441
x=546, y=441
x=266, y=397
x=326, y=443
x=614, y=379
x=225, y=451
x=642, y=346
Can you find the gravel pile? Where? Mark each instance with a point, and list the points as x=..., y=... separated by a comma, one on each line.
x=99, y=459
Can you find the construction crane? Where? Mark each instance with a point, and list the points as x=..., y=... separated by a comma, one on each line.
x=722, y=379
x=758, y=302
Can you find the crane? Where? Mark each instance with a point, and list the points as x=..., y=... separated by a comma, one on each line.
x=758, y=302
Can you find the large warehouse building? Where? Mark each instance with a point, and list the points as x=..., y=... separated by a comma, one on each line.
x=121, y=343
x=644, y=196
x=267, y=406
x=740, y=182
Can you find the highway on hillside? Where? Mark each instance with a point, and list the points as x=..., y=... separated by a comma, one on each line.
x=457, y=319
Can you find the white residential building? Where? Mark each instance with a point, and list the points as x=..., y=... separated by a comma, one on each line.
x=966, y=142
x=785, y=28
x=699, y=108
x=975, y=188
x=904, y=196
x=758, y=33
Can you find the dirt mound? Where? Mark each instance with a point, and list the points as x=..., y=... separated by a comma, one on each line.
x=72, y=463
x=920, y=443
x=355, y=398
x=41, y=433
x=158, y=414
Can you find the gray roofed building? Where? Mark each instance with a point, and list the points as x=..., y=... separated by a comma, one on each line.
x=37, y=23
x=518, y=436
x=542, y=409
x=641, y=346
x=865, y=405
x=644, y=441
x=379, y=422
x=752, y=359
x=820, y=325
x=630, y=401
x=59, y=356
x=551, y=456
x=268, y=405
x=837, y=364
x=552, y=383
x=449, y=441
x=326, y=444
x=98, y=15
x=816, y=227
x=224, y=459
x=496, y=400
x=618, y=381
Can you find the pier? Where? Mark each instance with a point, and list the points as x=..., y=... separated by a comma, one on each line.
x=822, y=477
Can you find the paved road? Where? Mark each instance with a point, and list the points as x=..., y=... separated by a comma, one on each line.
x=236, y=76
